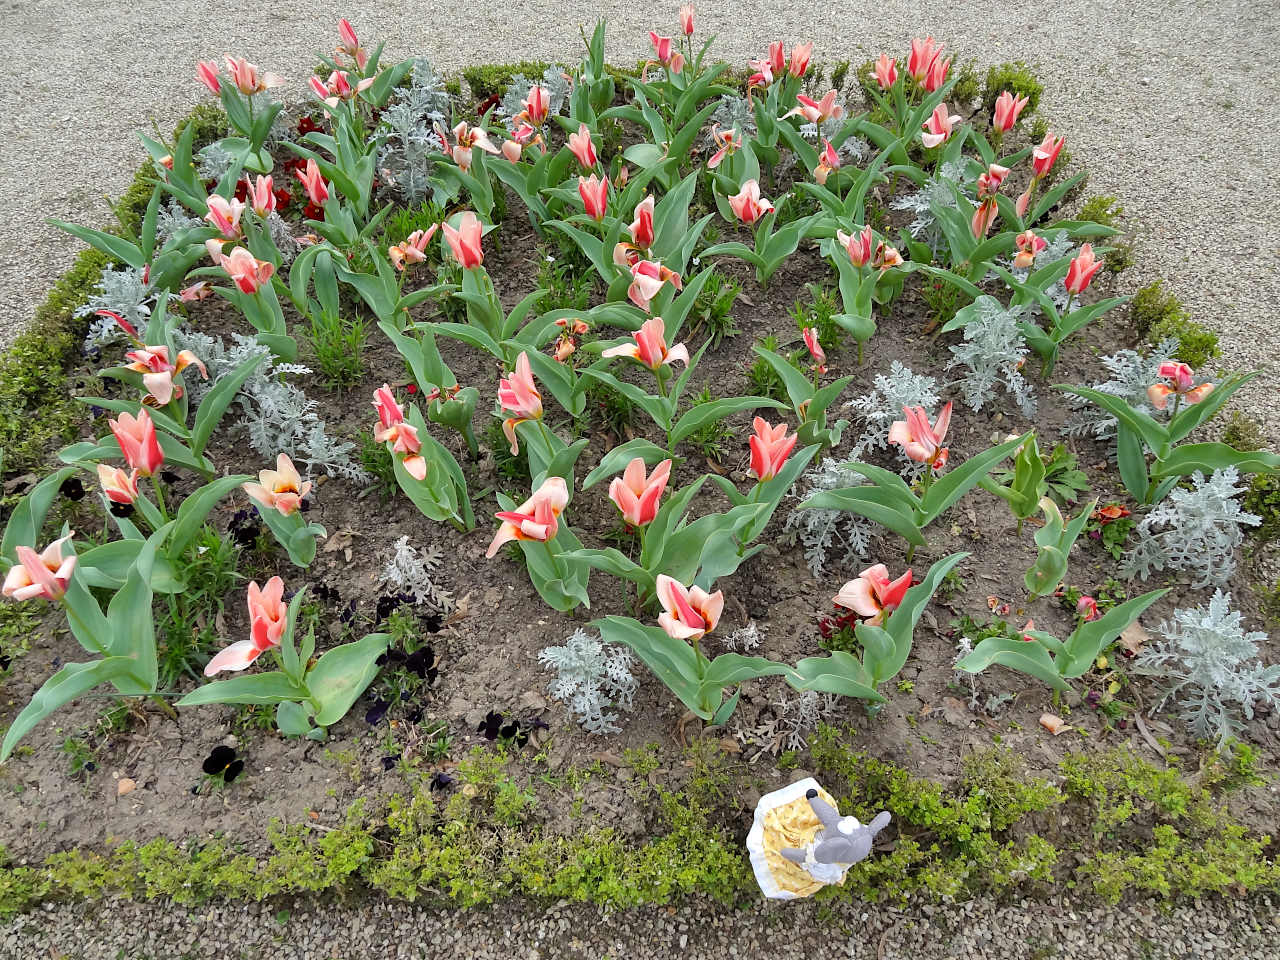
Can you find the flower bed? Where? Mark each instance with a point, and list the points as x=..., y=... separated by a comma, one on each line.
x=677, y=343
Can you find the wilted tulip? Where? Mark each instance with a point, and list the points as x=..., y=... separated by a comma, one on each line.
x=538, y=518
x=268, y=620
x=636, y=495
x=45, y=574
x=770, y=448
x=989, y=182
x=1182, y=386
x=688, y=613
x=138, y=444
x=828, y=161
x=402, y=435
x=729, y=142
x=279, y=489
x=919, y=441
x=873, y=595
x=1087, y=607
x=1028, y=245
x=158, y=373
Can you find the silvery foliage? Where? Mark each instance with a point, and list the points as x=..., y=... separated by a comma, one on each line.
x=282, y=237
x=1195, y=531
x=214, y=161
x=823, y=531
x=407, y=129
x=172, y=218
x=1131, y=374
x=120, y=291
x=1058, y=245
x=744, y=638
x=733, y=113
x=592, y=677
x=553, y=81
x=803, y=714
x=993, y=353
x=409, y=571
x=936, y=191
x=883, y=405
x=278, y=417
x=1212, y=668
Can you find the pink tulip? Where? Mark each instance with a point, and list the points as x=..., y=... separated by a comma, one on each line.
x=688, y=613
x=465, y=139
x=595, y=196
x=537, y=105
x=800, y=55
x=939, y=126
x=268, y=621
x=1024, y=199
x=317, y=189
x=663, y=51
x=138, y=443
x=582, y=147
x=919, y=441
x=413, y=249
x=857, y=245
x=729, y=142
x=518, y=395
x=886, y=71
x=937, y=74
x=1087, y=607
x=402, y=435
x=817, y=111
x=158, y=373
x=770, y=448
x=1028, y=246
x=989, y=182
x=511, y=150
x=339, y=87
x=637, y=496
x=873, y=595
x=279, y=489
x=538, y=518
x=647, y=278
x=649, y=347
x=686, y=19
x=207, y=73
x=261, y=197
x=641, y=228
x=1045, y=155
x=464, y=243
x=350, y=45
x=44, y=574
x=1008, y=107
x=828, y=161
x=923, y=53
x=810, y=335
x=983, y=215
x=1081, y=271
x=120, y=487
x=885, y=257
x=248, y=272
x=747, y=205
x=248, y=79
x=1183, y=386
x=200, y=290
x=777, y=60
x=225, y=214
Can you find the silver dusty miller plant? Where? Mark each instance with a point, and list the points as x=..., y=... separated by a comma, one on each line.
x=593, y=678
x=172, y=218
x=733, y=113
x=409, y=571
x=124, y=292
x=407, y=128
x=993, y=354
x=824, y=533
x=277, y=416
x=889, y=394
x=1211, y=667
x=1131, y=374
x=1194, y=531
x=935, y=193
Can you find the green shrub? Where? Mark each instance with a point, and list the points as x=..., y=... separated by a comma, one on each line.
x=1158, y=315
x=1102, y=209
x=1016, y=77
x=1263, y=498
x=491, y=80
x=967, y=85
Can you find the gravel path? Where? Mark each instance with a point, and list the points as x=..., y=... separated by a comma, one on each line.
x=1171, y=104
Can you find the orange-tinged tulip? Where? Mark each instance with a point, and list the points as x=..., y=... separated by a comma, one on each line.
x=268, y=620
x=158, y=373
x=1029, y=245
x=43, y=574
x=1183, y=386
x=279, y=489
x=413, y=249
x=801, y=53
x=649, y=347
x=464, y=243
x=919, y=441
x=636, y=495
x=770, y=448
x=538, y=518
x=519, y=396
x=120, y=487
x=982, y=218
x=138, y=444
x=873, y=595
x=688, y=613
x=828, y=161
x=402, y=435
x=729, y=142
x=1081, y=270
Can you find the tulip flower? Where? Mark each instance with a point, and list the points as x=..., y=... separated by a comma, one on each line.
x=413, y=249
x=777, y=60
x=641, y=228
x=665, y=53
x=537, y=104
x=923, y=54
x=120, y=487
x=919, y=441
x=565, y=348
x=200, y=290
x=647, y=278
x=1183, y=387
x=317, y=189
x=886, y=71
x=262, y=197
x=595, y=196
x=248, y=79
x=810, y=335
x=1081, y=270
x=1008, y=107
x=729, y=142
x=138, y=444
x=465, y=139
x=582, y=147
x=339, y=87
x=207, y=73
x=350, y=45
x=1028, y=245
x=538, y=518
x=770, y=448
x=762, y=77
x=989, y=182
x=983, y=215
x=637, y=496
x=268, y=621
x=511, y=150
x=248, y=272
x=747, y=205
x=402, y=435
x=885, y=257
x=938, y=126
x=800, y=55
x=937, y=74
x=873, y=595
x=279, y=489
x=518, y=395
x=158, y=373
x=464, y=243
x=45, y=574
x=1045, y=155
x=225, y=214
x=857, y=245
x=688, y=613
x=1087, y=607
x=817, y=111
x=649, y=347
x=828, y=161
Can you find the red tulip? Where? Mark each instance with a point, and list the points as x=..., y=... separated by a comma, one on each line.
x=686, y=19
x=268, y=620
x=873, y=595
x=317, y=189
x=641, y=228
x=402, y=435
x=919, y=441
x=1045, y=155
x=637, y=496
x=857, y=245
x=688, y=613
x=1008, y=107
x=538, y=518
x=1087, y=607
x=518, y=395
x=649, y=347
x=747, y=204
x=138, y=444
x=937, y=74
x=1081, y=271
x=770, y=448
x=811, y=341
x=207, y=73
x=595, y=196
x=45, y=574
x=777, y=61
x=464, y=243
x=279, y=489
x=923, y=53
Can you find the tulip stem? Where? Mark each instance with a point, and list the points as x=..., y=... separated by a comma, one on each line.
x=155, y=483
x=911, y=551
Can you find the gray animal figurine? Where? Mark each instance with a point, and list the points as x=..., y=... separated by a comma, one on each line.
x=842, y=841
